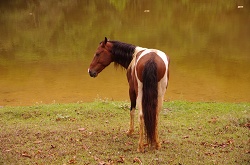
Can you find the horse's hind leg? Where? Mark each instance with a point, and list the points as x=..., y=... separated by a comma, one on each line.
x=157, y=141
x=141, y=122
x=140, y=143
x=161, y=92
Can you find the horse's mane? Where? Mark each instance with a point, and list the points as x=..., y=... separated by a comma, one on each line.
x=122, y=52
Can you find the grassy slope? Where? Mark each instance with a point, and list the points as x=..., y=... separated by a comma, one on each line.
x=94, y=133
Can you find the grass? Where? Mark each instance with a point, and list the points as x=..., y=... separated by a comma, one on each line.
x=94, y=133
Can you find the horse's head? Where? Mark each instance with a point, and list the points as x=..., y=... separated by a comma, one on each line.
x=102, y=58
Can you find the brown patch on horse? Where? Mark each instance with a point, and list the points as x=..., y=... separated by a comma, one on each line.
x=132, y=86
x=159, y=63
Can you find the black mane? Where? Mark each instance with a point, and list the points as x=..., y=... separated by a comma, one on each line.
x=122, y=53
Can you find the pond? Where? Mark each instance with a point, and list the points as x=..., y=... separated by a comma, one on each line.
x=46, y=48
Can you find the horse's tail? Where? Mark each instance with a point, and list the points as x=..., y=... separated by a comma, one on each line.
x=150, y=99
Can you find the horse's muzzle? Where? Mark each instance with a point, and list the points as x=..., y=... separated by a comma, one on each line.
x=92, y=73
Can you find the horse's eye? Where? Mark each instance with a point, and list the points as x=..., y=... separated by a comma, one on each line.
x=97, y=54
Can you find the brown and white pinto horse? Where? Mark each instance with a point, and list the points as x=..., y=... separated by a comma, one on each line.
x=147, y=74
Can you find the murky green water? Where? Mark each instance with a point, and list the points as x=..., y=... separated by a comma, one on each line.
x=46, y=48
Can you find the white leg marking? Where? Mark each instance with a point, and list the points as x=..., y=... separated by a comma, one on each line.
x=131, y=127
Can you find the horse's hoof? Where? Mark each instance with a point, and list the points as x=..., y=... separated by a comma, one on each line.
x=129, y=132
x=140, y=148
x=157, y=146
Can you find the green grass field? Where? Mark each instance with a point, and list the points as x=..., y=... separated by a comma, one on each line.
x=95, y=133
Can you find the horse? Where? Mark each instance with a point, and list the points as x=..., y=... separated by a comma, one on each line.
x=147, y=75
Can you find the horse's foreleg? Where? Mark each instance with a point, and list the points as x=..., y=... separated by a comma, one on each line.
x=132, y=96
x=131, y=127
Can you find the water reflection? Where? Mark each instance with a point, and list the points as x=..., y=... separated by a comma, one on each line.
x=46, y=47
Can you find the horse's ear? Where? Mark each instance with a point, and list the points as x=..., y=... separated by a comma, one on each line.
x=105, y=40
